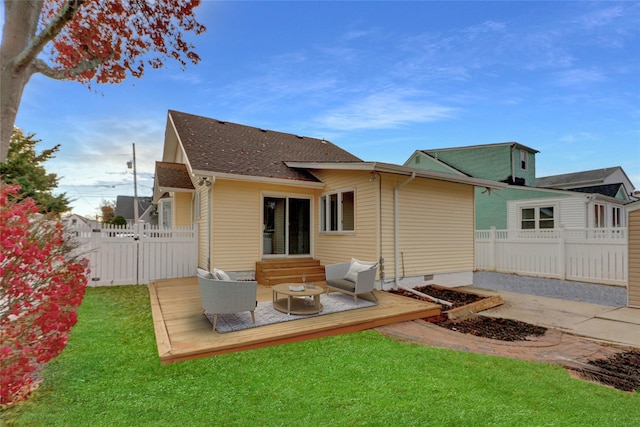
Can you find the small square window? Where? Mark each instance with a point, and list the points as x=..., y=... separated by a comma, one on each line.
x=537, y=218
x=337, y=211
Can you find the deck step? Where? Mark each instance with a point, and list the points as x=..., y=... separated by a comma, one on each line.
x=274, y=272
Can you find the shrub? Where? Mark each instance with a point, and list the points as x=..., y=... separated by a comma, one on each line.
x=43, y=284
x=119, y=220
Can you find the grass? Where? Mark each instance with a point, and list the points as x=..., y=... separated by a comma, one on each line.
x=110, y=375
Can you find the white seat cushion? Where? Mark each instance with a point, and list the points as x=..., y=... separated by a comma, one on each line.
x=220, y=275
x=357, y=266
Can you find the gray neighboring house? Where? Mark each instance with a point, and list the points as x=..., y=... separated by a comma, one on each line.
x=612, y=182
x=78, y=221
x=146, y=209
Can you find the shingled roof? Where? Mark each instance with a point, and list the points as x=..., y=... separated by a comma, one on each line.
x=217, y=146
x=610, y=190
x=569, y=179
x=173, y=175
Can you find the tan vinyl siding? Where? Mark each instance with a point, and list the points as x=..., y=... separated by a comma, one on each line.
x=182, y=209
x=436, y=224
x=237, y=221
x=436, y=227
x=634, y=258
x=362, y=242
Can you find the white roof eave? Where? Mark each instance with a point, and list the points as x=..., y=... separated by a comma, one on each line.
x=398, y=170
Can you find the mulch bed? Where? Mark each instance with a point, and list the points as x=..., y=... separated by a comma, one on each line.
x=621, y=371
x=496, y=329
x=458, y=299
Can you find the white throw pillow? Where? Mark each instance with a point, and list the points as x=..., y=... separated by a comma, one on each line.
x=356, y=267
x=220, y=275
x=204, y=273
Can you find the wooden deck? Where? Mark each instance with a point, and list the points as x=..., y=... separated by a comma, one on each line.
x=184, y=333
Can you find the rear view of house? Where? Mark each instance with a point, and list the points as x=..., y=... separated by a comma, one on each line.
x=258, y=195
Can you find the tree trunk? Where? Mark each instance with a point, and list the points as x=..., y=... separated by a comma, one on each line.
x=21, y=22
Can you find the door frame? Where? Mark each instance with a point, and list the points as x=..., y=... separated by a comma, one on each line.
x=287, y=196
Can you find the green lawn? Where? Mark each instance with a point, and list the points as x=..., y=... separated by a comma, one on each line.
x=110, y=375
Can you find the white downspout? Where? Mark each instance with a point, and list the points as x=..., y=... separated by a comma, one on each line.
x=210, y=184
x=396, y=196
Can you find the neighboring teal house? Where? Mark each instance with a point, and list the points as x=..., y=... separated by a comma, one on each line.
x=588, y=199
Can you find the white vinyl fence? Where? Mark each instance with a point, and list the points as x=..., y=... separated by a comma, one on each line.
x=117, y=257
x=580, y=254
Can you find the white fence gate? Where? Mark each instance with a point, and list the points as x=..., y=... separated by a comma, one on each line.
x=117, y=257
x=580, y=254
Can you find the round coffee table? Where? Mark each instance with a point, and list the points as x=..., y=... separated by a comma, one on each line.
x=290, y=301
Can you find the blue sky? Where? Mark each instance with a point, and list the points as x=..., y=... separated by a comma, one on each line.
x=380, y=79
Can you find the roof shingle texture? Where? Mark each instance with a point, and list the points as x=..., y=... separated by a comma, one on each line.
x=570, y=178
x=224, y=147
x=125, y=205
x=173, y=175
x=610, y=190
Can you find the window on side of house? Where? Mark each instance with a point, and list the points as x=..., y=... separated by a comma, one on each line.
x=546, y=219
x=600, y=220
x=165, y=213
x=337, y=211
x=523, y=159
x=196, y=206
x=616, y=216
x=535, y=218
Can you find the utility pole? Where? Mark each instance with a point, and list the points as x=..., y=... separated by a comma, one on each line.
x=136, y=236
x=135, y=193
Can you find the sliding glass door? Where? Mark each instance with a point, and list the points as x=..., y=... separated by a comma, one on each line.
x=286, y=226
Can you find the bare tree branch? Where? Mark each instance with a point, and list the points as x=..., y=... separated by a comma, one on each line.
x=39, y=66
x=65, y=15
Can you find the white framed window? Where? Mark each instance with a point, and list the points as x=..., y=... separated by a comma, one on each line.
x=616, y=216
x=537, y=218
x=523, y=159
x=600, y=219
x=196, y=206
x=337, y=211
x=164, y=213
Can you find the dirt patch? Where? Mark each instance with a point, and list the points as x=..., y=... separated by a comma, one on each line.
x=620, y=370
x=457, y=299
x=496, y=329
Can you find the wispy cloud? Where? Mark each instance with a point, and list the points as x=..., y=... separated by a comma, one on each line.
x=600, y=17
x=578, y=77
x=578, y=137
x=358, y=34
x=190, y=77
x=97, y=151
x=384, y=110
x=487, y=27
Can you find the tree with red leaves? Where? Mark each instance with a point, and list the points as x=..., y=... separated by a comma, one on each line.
x=42, y=283
x=99, y=41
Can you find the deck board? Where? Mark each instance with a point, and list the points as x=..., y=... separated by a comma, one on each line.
x=184, y=333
